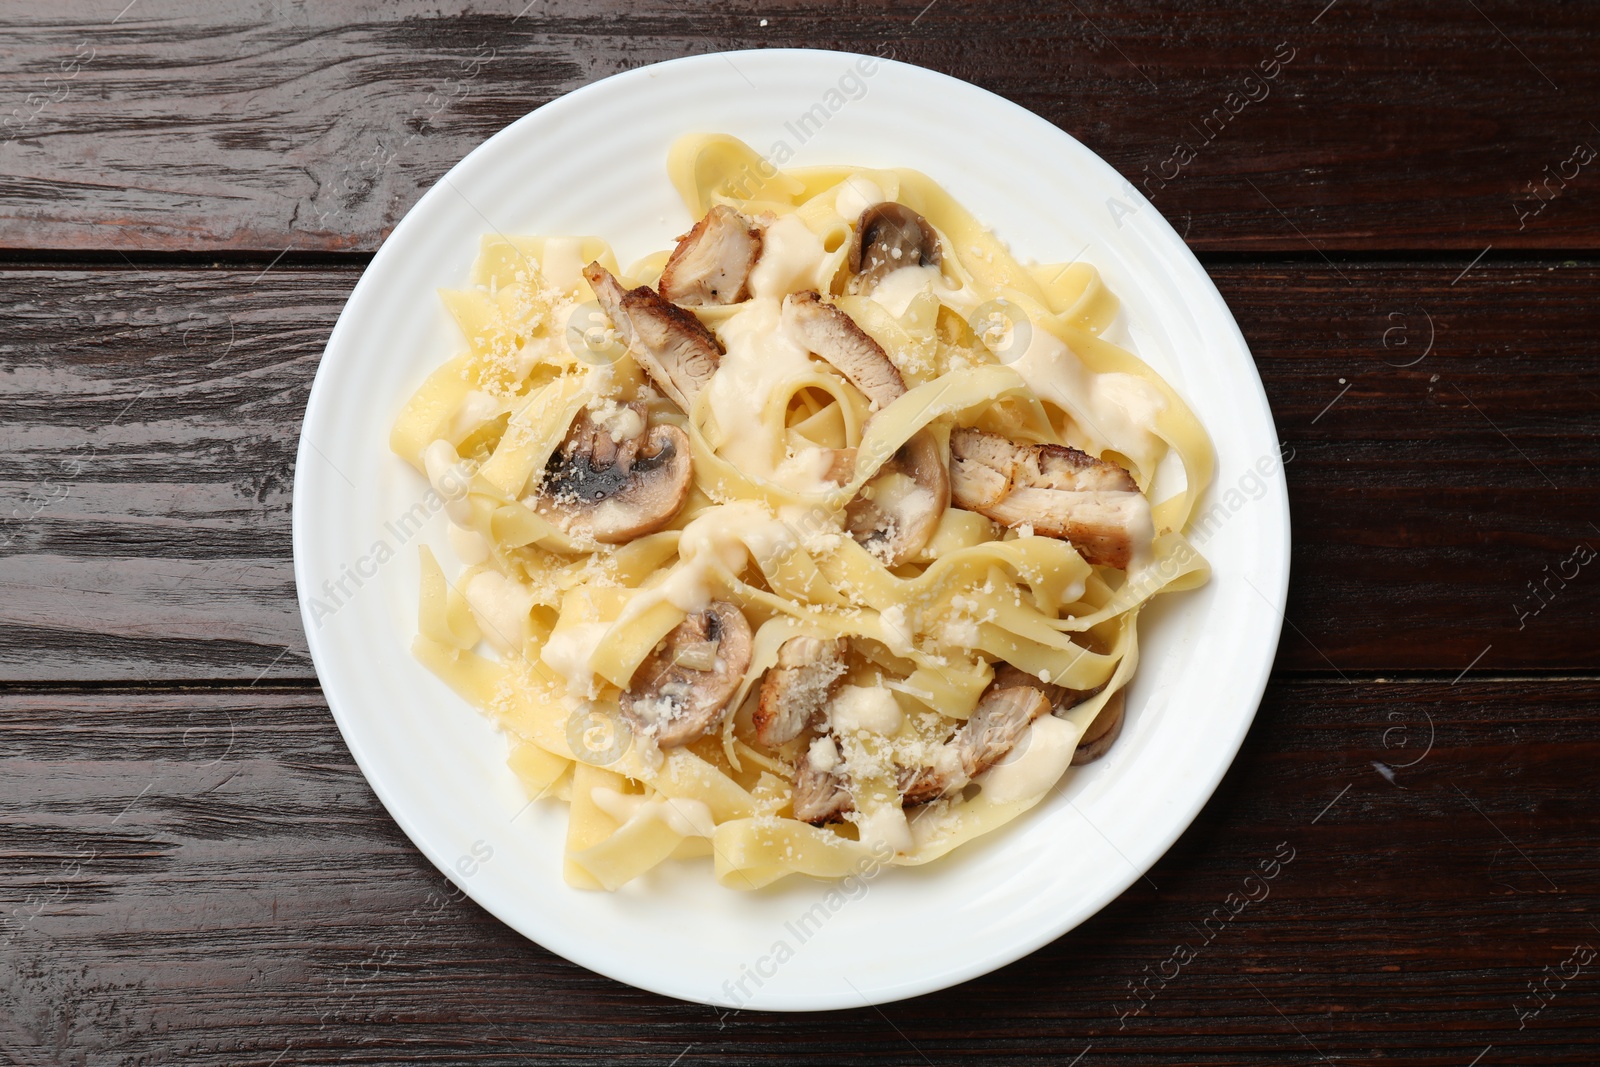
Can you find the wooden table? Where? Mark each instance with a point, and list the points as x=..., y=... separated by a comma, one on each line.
x=1406, y=226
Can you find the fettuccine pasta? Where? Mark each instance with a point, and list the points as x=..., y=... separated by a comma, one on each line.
x=820, y=538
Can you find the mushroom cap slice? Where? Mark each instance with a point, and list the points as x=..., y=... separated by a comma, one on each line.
x=670, y=697
x=1059, y=491
x=616, y=490
x=672, y=346
x=712, y=262
x=834, y=335
x=795, y=691
x=890, y=236
x=1103, y=732
x=899, y=509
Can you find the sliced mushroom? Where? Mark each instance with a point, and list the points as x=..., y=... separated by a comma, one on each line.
x=670, y=344
x=681, y=690
x=821, y=794
x=1103, y=732
x=996, y=725
x=795, y=691
x=712, y=262
x=890, y=236
x=834, y=335
x=617, y=488
x=1059, y=491
x=898, y=510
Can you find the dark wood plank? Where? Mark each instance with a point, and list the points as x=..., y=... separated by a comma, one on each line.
x=1445, y=485
x=231, y=126
x=152, y=418
x=220, y=886
x=145, y=493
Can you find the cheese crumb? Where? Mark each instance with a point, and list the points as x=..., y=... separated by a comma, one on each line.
x=823, y=755
x=896, y=630
x=859, y=708
x=621, y=423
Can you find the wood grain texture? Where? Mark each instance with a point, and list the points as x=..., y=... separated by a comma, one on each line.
x=205, y=878
x=192, y=869
x=266, y=126
x=152, y=419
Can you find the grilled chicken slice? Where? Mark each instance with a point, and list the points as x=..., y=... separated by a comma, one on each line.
x=896, y=512
x=617, y=489
x=674, y=349
x=996, y=725
x=712, y=262
x=1101, y=734
x=834, y=335
x=821, y=794
x=795, y=691
x=1059, y=491
x=681, y=690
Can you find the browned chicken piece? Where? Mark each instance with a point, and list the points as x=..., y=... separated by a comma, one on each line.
x=995, y=727
x=899, y=509
x=841, y=465
x=682, y=689
x=617, y=490
x=834, y=335
x=712, y=262
x=981, y=468
x=1101, y=734
x=669, y=344
x=1061, y=698
x=820, y=795
x=796, y=690
x=1059, y=491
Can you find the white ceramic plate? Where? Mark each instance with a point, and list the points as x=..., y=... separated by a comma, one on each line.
x=593, y=162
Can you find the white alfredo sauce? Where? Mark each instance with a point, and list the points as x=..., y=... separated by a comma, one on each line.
x=562, y=263
x=450, y=476
x=1036, y=763
x=761, y=355
x=791, y=258
x=501, y=607
x=895, y=290
x=714, y=542
x=684, y=816
x=855, y=195
x=1115, y=410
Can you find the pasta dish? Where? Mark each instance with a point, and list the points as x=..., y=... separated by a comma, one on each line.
x=817, y=539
